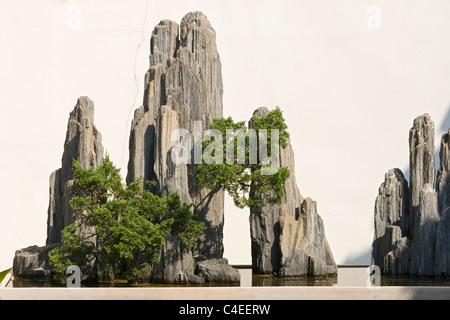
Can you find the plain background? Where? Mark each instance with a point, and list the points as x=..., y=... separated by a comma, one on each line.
x=349, y=79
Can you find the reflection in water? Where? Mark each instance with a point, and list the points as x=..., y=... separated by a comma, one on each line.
x=258, y=281
x=347, y=276
x=391, y=281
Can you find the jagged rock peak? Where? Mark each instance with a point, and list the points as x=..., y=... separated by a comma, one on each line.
x=424, y=248
x=83, y=143
x=421, y=147
x=164, y=42
x=421, y=160
x=183, y=87
x=83, y=109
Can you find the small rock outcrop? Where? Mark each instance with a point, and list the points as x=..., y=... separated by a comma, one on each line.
x=289, y=238
x=303, y=246
x=411, y=223
x=84, y=144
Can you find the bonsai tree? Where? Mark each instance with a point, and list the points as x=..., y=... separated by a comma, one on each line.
x=243, y=160
x=128, y=224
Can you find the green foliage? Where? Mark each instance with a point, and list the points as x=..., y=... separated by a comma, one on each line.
x=4, y=273
x=129, y=223
x=240, y=174
x=73, y=252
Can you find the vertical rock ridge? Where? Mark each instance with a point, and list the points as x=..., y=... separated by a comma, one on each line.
x=83, y=143
x=183, y=87
x=289, y=238
x=416, y=243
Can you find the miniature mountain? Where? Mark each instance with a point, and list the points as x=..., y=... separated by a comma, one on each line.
x=411, y=222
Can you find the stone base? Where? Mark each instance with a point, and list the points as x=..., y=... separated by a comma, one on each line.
x=32, y=262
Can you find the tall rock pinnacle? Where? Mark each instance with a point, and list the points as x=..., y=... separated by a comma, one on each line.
x=417, y=244
x=421, y=160
x=183, y=94
x=84, y=144
x=289, y=238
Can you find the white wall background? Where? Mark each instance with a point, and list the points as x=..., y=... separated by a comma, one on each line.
x=350, y=82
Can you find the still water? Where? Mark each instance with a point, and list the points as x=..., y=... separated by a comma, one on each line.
x=347, y=276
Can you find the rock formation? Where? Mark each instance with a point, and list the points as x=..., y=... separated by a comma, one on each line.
x=183, y=94
x=443, y=192
x=289, y=238
x=84, y=144
x=411, y=227
x=391, y=215
x=421, y=160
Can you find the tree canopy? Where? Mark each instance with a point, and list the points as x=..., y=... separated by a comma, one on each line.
x=122, y=227
x=240, y=167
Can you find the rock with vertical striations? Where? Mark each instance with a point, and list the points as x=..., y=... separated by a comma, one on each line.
x=289, y=238
x=264, y=222
x=417, y=245
x=391, y=210
x=84, y=144
x=443, y=175
x=424, y=234
x=304, y=248
x=421, y=160
x=183, y=94
x=443, y=193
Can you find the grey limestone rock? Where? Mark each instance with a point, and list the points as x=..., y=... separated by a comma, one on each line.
x=424, y=234
x=218, y=271
x=84, y=144
x=264, y=222
x=176, y=262
x=443, y=192
x=32, y=262
x=391, y=209
x=421, y=160
x=417, y=244
x=303, y=246
x=442, y=179
x=183, y=92
x=289, y=238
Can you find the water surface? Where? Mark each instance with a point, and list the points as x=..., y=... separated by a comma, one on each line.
x=347, y=276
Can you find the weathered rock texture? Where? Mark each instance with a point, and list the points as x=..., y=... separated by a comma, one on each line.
x=183, y=90
x=391, y=215
x=84, y=144
x=289, y=238
x=411, y=227
x=421, y=160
